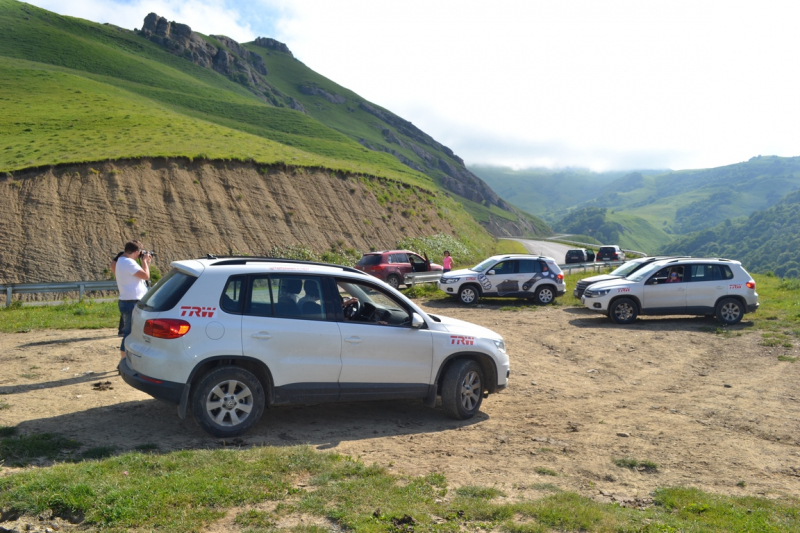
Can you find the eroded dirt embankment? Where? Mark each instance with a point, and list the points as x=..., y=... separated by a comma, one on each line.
x=65, y=223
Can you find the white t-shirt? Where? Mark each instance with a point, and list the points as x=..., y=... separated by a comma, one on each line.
x=130, y=287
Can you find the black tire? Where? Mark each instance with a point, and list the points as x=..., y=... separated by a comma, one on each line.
x=729, y=311
x=462, y=390
x=393, y=280
x=623, y=311
x=469, y=294
x=545, y=294
x=228, y=401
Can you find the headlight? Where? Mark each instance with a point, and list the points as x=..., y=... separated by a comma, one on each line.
x=447, y=281
x=500, y=346
x=594, y=293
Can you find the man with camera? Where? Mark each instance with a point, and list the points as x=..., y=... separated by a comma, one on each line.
x=131, y=280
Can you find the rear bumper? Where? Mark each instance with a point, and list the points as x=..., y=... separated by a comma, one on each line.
x=162, y=390
x=752, y=308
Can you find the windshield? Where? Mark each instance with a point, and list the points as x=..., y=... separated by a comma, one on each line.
x=626, y=269
x=644, y=273
x=483, y=266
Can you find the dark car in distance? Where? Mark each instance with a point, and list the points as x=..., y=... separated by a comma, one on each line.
x=578, y=255
x=610, y=253
x=392, y=266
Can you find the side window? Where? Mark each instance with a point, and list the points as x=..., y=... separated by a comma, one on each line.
x=702, y=273
x=724, y=272
x=542, y=266
x=260, y=297
x=400, y=258
x=298, y=297
x=505, y=267
x=390, y=259
x=527, y=266
x=231, y=300
x=374, y=306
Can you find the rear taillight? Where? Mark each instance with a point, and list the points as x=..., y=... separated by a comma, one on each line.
x=560, y=276
x=751, y=284
x=166, y=328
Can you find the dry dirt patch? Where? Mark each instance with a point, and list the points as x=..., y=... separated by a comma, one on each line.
x=710, y=410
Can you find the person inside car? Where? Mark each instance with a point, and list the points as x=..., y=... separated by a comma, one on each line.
x=673, y=277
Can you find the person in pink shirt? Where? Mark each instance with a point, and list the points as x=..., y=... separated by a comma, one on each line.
x=448, y=262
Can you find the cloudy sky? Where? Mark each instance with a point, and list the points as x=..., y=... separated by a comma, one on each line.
x=607, y=84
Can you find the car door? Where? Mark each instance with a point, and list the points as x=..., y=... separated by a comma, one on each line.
x=403, y=264
x=382, y=357
x=661, y=297
x=706, y=287
x=299, y=341
x=417, y=263
x=503, y=278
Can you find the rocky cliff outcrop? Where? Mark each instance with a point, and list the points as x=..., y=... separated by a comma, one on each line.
x=272, y=44
x=231, y=59
x=66, y=223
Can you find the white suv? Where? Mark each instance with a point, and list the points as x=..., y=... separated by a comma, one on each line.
x=227, y=337
x=715, y=287
x=515, y=276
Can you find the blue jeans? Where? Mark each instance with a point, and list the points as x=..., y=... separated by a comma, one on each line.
x=126, y=310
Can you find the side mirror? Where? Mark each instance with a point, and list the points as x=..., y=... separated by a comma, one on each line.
x=490, y=273
x=416, y=321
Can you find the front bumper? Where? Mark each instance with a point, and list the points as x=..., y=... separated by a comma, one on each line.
x=162, y=390
x=595, y=304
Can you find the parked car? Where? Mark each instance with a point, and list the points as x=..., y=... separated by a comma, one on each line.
x=392, y=266
x=621, y=271
x=578, y=255
x=225, y=338
x=610, y=253
x=538, y=277
x=717, y=287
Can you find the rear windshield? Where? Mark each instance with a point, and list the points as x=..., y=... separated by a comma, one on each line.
x=607, y=250
x=371, y=259
x=169, y=290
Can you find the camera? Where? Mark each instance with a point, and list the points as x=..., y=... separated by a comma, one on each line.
x=143, y=253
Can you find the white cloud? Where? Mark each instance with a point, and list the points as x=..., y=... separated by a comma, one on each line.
x=608, y=84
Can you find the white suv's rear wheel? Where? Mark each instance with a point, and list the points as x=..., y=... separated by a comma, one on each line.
x=545, y=295
x=730, y=311
x=228, y=401
x=462, y=390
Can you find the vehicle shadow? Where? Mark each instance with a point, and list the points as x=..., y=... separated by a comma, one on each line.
x=590, y=319
x=64, y=341
x=83, y=378
x=136, y=423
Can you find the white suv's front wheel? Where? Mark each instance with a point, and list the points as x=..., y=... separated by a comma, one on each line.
x=468, y=294
x=462, y=390
x=228, y=401
x=623, y=311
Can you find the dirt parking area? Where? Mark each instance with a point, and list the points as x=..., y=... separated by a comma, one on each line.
x=716, y=411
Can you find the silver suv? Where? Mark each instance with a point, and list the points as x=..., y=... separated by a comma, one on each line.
x=717, y=287
x=226, y=338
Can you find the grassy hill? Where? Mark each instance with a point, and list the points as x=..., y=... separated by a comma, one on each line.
x=767, y=240
x=76, y=91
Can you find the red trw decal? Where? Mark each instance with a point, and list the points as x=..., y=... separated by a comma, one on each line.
x=461, y=339
x=204, y=312
x=734, y=286
x=624, y=289
x=471, y=278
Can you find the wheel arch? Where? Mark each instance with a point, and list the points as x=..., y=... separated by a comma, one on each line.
x=736, y=297
x=487, y=364
x=629, y=297
x=258, y=368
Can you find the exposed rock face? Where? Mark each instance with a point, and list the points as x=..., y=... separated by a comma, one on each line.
x=66, y=223
x=316, y=91
x=272, y=44
x=231, y=60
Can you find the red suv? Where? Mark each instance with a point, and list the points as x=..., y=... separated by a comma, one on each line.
x=392, y=266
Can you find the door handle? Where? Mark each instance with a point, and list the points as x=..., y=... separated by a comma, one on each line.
x=262, y=335
x=353, y=340
x=720, y=287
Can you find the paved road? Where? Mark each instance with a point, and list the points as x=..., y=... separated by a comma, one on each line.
x=551, y=249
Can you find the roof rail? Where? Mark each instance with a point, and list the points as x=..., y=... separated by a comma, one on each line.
x=244, y=259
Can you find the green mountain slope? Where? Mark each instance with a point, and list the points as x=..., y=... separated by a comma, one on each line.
x=75, y=91
x=767, y=240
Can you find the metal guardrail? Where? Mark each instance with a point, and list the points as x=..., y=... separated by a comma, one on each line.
x=590, y=245
x=585, y=267
x=422, y=277
x=81, y=287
